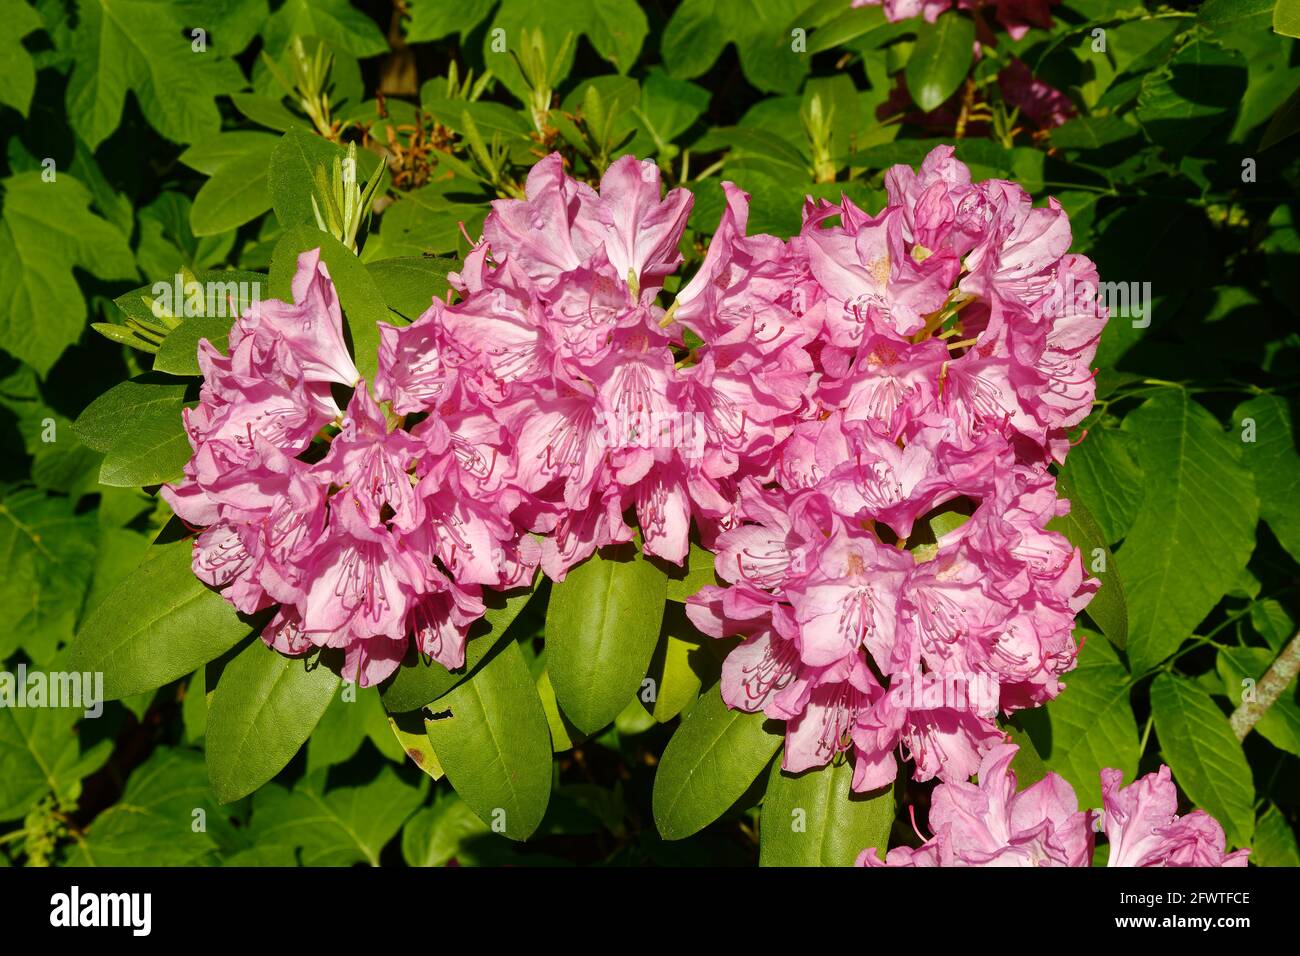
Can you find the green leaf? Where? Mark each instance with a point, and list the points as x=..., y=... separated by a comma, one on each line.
x=341, y=826
x=335, y=21
x=496, y=745
x=1108, y=606
x=442, y=832
x=1275, y=843
x=1272, y=457
x=17, y=74
x=264, y=708
x=602, y=626
x=940, y=59
x=145, y=48
x=421, y=683
x=684, y=661
x=40, y=753
x=849, y=25
x=48, y=552
x=362, y=303
x=137, y=424
x=1103, y=472
x=238, y=191
x=1180, y=101
x=1286, y=18
x=710, y=762
x=153, y=824
x=352, y=716
x=1204, y=755
x=155, y=627
x=698, y=573
x=700, y=29
x=1225, y=17
x=179, y=353
x=1090, y=726
x=411, y=283
x=1092, y=132
x=1195, y=530
x=815, y=819
x=46, y=230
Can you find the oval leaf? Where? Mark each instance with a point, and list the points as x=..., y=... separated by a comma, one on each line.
x=712, y=759
x=495, y=747
x=155, y=627
x=815, y=819
x=1205, y=756
x=265, y=706
x=940, y=60
x=601, y=630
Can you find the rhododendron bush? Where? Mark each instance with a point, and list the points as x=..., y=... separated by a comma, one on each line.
x=508, y=435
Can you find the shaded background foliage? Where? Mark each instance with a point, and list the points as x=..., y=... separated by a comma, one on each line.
x=1178, y=168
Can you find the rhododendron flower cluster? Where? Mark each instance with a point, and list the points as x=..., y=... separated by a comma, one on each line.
x=949, y=367
x=991, y=824
x=806, y=406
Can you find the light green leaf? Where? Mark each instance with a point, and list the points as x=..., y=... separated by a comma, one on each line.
x=412, y=736
x=601, y=629
x=264, y=708
x=815, y=819
x=48, y=552
x=45, y=230
x=341, y=826
x=17, y=74
x=496, y=745
x=684, y=661
x=1275, y=843
x=1286, y=18
x=1195, y=530
x=700, y=29
x=238, y=191
x=1090, y=726
x=1272, y=457
x=710, y=762
x=1103, y=472
x=1204, y=755
x=153, y=822
x=41, y=752
x=335, y=21
x=143, y=47
x=1108, y=606
x=155, y=627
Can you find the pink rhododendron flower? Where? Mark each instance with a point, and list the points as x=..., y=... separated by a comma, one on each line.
x=991, y=824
